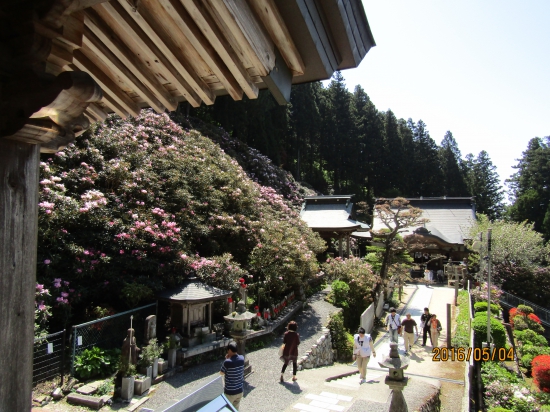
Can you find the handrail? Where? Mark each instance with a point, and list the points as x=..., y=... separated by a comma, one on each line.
x=510, y=300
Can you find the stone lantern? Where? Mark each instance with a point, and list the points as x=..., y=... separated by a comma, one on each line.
x=396, y=379
x=239, y=322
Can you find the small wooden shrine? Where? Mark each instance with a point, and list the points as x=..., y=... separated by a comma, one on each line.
x=191, y=309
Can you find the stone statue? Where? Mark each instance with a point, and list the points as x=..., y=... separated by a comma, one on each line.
x=150, y=328
x=129, y=349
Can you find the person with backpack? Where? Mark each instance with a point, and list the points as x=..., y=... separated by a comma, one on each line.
x=363, y=347
x=393, y=323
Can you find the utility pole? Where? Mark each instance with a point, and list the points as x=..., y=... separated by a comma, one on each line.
x=489, y=231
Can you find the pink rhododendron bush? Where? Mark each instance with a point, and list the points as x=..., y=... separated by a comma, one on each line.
x=134, y=206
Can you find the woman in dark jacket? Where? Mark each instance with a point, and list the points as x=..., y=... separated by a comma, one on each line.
x=290, y=352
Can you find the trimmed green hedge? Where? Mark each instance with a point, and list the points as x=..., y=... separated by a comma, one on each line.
x=482, y=307
x=461, y=337
x=479, y=325
x=342, y=340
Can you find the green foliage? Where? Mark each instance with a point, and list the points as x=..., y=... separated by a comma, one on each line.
x=482, y=307
x=149, y=353
x=526, y=309
x=95, y=362
x=355, y=286
x=339, y=294
x=530, y=337
x=529, y=352
x=342, y=340
x=461, y=337
x=500, y=409
x=135, y=205
x=498, y=333
x=529, y=186
x=491, y=371
x=134, y=293
x=105, y=388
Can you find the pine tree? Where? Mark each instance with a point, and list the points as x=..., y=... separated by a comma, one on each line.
x=529, y=186
x=427, y=169
x=450, y=160
x=484, y=185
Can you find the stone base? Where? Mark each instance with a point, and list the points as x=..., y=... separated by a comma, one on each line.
x=127, y=391
x=85, y=400
x=141, y=386
x=247, y=367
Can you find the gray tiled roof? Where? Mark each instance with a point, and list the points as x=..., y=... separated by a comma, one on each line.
x=193, y=290
x=325, y=215
x=450, y=219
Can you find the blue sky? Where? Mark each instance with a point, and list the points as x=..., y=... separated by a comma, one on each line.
x=477, y=68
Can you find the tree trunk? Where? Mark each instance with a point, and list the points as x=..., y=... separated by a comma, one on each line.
x=19, y=174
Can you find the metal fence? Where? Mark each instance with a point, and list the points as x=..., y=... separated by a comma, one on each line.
x=48, y=357
x=109, y=332
x=512, y=301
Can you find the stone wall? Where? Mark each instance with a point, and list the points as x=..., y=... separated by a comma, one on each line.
x=320, y=354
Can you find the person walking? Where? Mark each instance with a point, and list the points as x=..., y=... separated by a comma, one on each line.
x=435, y=329
x=425, y=325
x=363, y=347
x=393, y=323
x=233, y=372
x=409, y=326
x=291, y=341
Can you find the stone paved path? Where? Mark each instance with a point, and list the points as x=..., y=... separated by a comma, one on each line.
x=262, y=391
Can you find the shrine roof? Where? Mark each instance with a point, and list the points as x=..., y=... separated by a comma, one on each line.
x=331, y=213
x=195, y=291
x=450, y=218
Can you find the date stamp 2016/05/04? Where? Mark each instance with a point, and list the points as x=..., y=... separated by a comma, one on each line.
x=478, y=354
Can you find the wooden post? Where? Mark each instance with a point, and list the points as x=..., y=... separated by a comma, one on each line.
x=19, y=175
x=347, y=244
x=189, y=320
x=449, y=325
x=340, y=252
x=210, y=316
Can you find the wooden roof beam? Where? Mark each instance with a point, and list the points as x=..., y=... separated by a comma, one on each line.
x=161, y=58
x=239, y=21
x=99, y=37
x=97, y=112
x=210, y=30
x=176, y=19
x=276, y=27
x=107, y=85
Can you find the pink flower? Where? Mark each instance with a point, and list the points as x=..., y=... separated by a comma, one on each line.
x=79, y=270
x=64, y=294
x=47, y=261
x=106, y=282
x=121, y=251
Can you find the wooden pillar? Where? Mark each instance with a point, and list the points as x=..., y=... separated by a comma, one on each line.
x=188, y=319
x=210, y=316
x=347, y=243
x=19, y=175
x=340, y=246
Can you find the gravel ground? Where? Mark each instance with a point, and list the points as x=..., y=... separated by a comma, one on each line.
x=262, y=387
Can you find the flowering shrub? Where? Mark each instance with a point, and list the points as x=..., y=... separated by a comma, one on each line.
x=541, y=372
x=522, y=318
x=530, y=352
x=529, y=337
x=135, y=205
x=358, y=275
x=504, y=389
x=480, y=294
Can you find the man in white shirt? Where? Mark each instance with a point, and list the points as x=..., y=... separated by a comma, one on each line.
x=393, y=322
x=362, y=349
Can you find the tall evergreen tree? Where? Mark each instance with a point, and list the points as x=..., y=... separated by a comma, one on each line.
x=530, y=186
x=338, y=132
x=394, y=156
x=427, y=169
x=450, y=159
x=409, y=181
x=484, y=184
x=368, y=144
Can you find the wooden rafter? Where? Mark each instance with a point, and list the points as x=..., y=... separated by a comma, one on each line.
x=101, y=39
x=107, y=84
x=217, y=39
x=276, y=27
x=238, y=21
x=176, y=19
x=134, y=34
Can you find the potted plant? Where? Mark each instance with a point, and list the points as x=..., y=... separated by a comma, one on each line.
x=149, y=359
x=128, y=372
x=172, y=345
